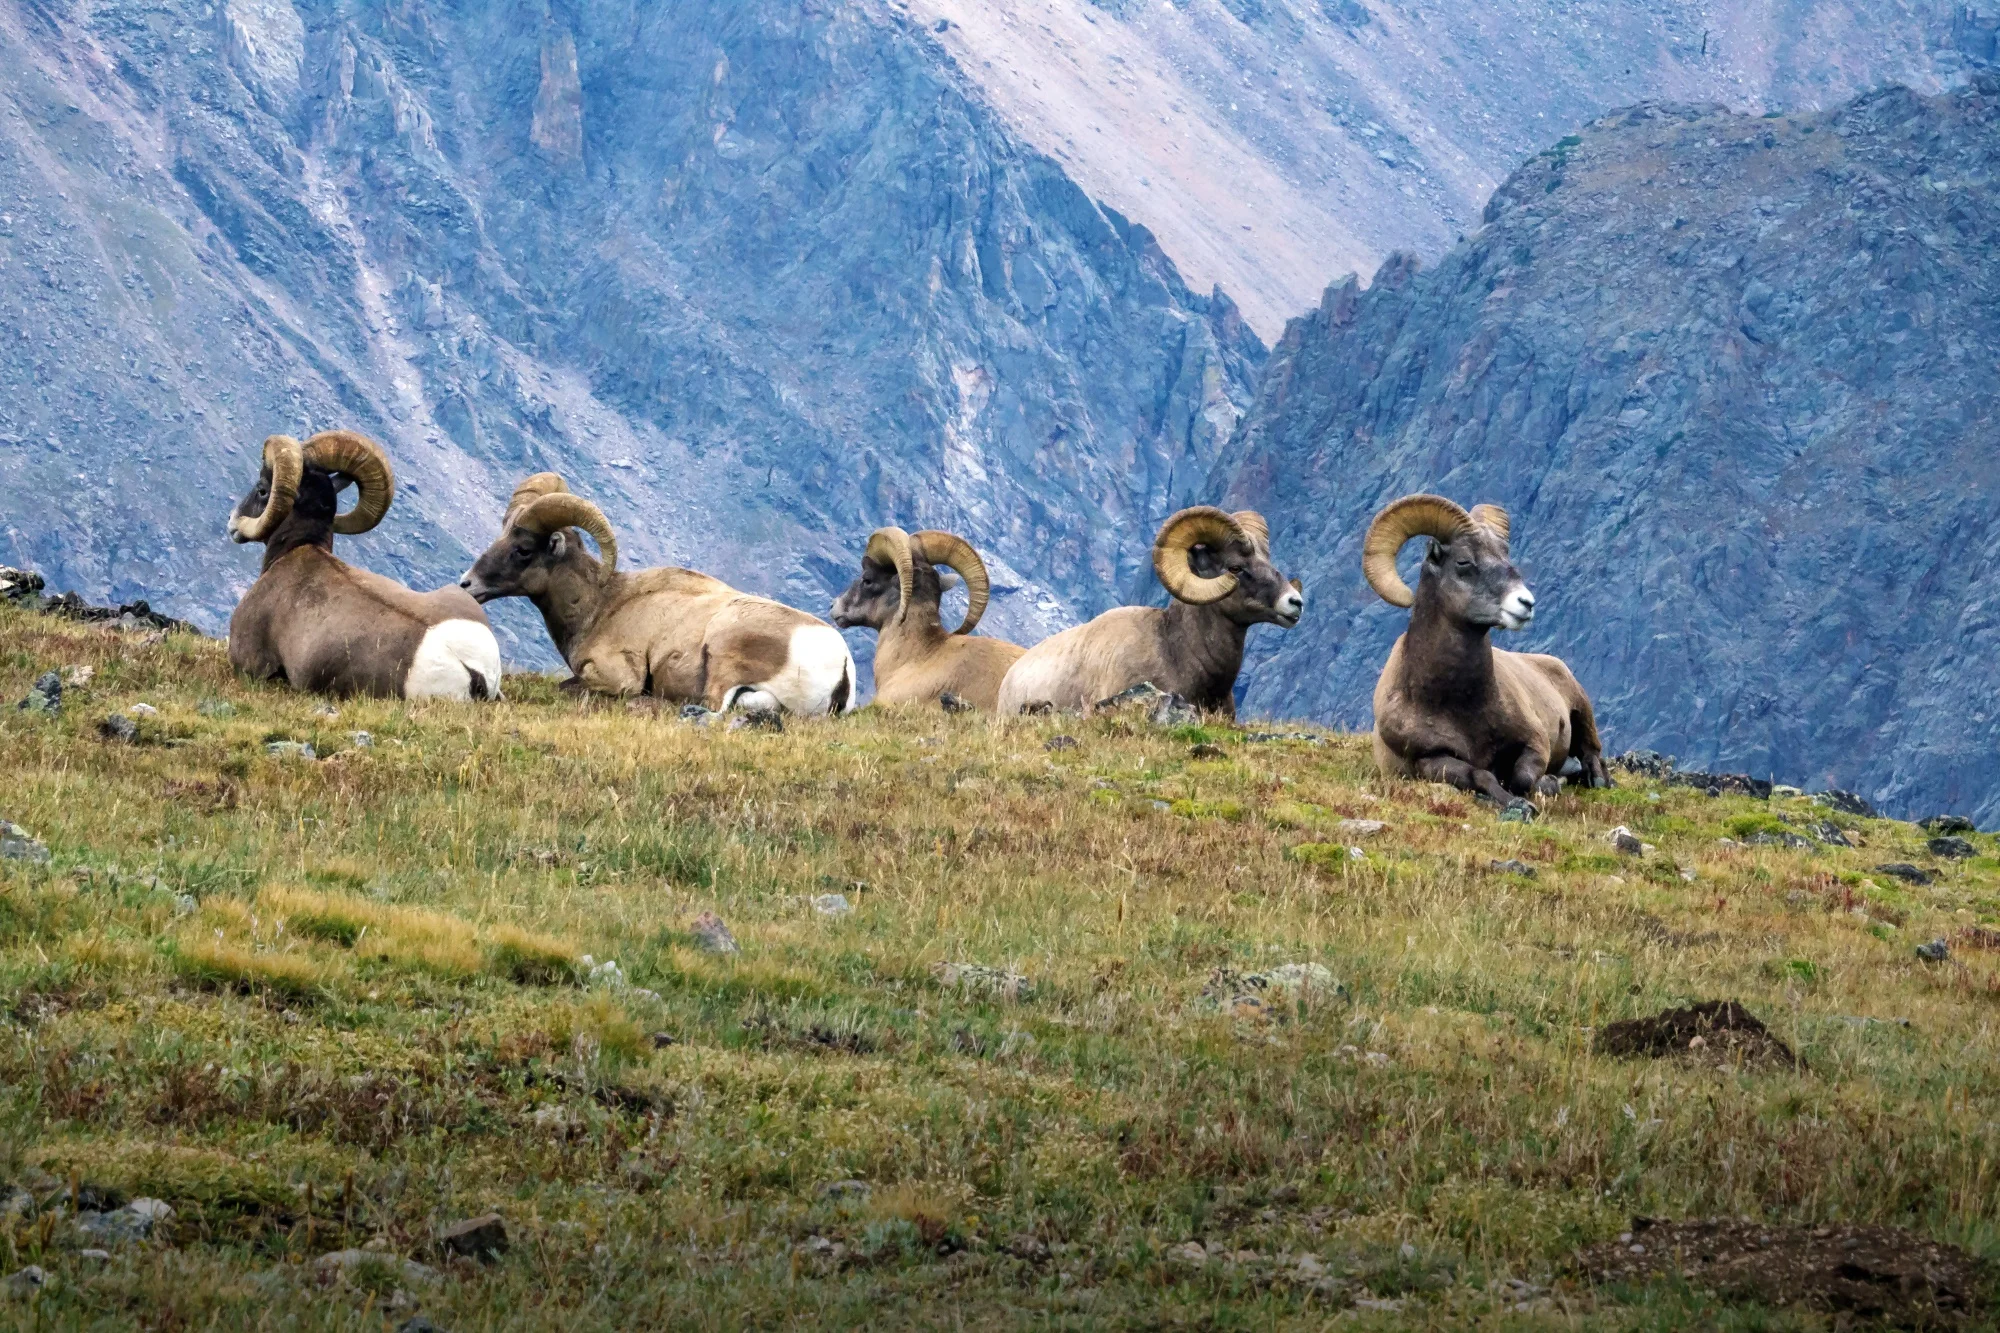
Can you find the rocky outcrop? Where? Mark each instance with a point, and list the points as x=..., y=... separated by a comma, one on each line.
x=759, y=277
x=1732, y=377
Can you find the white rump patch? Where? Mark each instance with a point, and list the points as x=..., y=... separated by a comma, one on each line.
x=448, y=658
x=814, y=670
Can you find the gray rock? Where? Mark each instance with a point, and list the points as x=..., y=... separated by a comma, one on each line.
x=758, y=719
x=417, y=1323
x=136, y=1221
x=976, y=979
x=290, y=750
x=215, y=708
x=1941, y=825
x=832, y=904
x=1937, y=951
x=19, y=585
x=1846, y=802
x=17, y=844
x=951, y=703
x=119, y=729
x=45, y=696
x=697, y=715
x=351, y=1262
x=1904, y=871
x=1520, y=811
x=362, y=740
x=24, y=1282
x=1061, y=743
x=1512, y=868
x=1173, y=711
x=1359, y=828
x=483, y=1238
x=711, y=935
x=1951, y=849
x=1207, y=751
x=845, y=1189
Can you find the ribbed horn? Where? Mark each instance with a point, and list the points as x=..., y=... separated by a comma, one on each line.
x=1411, y=516
x=285, y=457
x=1203, y=525
x=362, y=459
x=891, y=546
x=531, y=490
x=562, y=510
x=948, y=548
x=1253, y=523
x=1491, y=516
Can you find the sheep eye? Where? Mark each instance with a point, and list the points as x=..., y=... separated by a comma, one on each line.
x=1465, y=566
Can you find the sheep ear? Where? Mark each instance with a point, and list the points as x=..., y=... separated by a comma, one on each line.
x=1298, y=587
x=947, y=580
x=558, y=543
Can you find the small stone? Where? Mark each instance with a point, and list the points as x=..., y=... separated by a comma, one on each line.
x=832, y=904
x=1207, y=751
x=1062, y=743
x=143, y=710
x=1951, y=849
x=1145, y=692
x=1191, y=1254
x=1846, y=802
x=1945, y=824
x=1027, y=1245
x=94, y=1256
x=845, y=1189
x=712, y=935
x=662, y=1040
x=416, y=1323
x=185, y=904
x=1906, y=872
x=1512, y=868
x=17, y=844
x=757, y=719
x=215, y=708
x=1308, y=1269
x=1625, y=841
x=696, y=715
x=1375, y=1303
x=1359, y=828
x=1519, y=811
x=290, y=750
x=1294, y=978
x=483, y=1238
x=44, y=697
x=119, y=729
x=974, y=978
x=1937, y=951
x=1173, y=711
x=136, y=1221
x=362, y=740
x=951, y=703
x=327, y=711
x=25, y=1282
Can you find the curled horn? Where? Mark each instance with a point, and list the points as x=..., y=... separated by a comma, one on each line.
x=1491, y=516
x=362, y=459
x=560, y=509
x=1253, y=523
x=946, y=548
x=1411, y=516
x=1203, y=525
x=891, y=546
x=285, y=457
x=531, y=490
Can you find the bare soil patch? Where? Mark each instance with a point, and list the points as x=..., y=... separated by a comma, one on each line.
x=1878, y=1273
x=1712, y=1031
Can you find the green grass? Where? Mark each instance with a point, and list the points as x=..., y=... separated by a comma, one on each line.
x=322, y=1005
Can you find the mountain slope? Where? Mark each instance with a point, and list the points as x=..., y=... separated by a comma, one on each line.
x=758, y=278
x=1733, y=377
x=1273, y=144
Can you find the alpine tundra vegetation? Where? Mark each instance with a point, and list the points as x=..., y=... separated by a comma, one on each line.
x=550, y=1014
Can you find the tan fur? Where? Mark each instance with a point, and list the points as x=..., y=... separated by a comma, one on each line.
x=1537, y=697
x=917, y=662
x=1093, y=661
x=321, y=624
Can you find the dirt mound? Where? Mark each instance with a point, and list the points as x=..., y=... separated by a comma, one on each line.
x=1872, y=1271
x=1713, y=1031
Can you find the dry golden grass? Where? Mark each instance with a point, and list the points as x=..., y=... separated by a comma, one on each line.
x=318, y=1004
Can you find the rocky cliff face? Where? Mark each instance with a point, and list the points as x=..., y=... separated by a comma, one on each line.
x=758, y=276
x=1273, y=144
x=1733, y=377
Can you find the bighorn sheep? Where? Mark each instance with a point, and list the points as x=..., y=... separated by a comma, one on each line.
x=670, y=633
x=898, y=592
x=1449, y=706
x=1218, y=568
x=320, y=624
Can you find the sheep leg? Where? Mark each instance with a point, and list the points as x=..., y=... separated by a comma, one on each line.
x=1460, y=774
x=1532, y=777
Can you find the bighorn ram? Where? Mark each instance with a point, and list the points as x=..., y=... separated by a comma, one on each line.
x=320, y=624
x=898, y=592
x=671, y=633
x=1218, y=568
x=1450, y=707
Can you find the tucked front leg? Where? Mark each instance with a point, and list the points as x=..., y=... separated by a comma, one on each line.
x=1531, y=776
x=1460, y=774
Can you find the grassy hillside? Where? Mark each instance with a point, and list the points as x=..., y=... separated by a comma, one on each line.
x=343, y=1002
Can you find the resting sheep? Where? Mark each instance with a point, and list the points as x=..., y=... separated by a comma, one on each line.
x=1218, y=567
x=670, y=633
x=320, y=624
x=1449, y=706
x=898, y=592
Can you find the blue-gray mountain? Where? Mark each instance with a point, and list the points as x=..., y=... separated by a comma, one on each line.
x=759, y=276
x=1735, y=379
